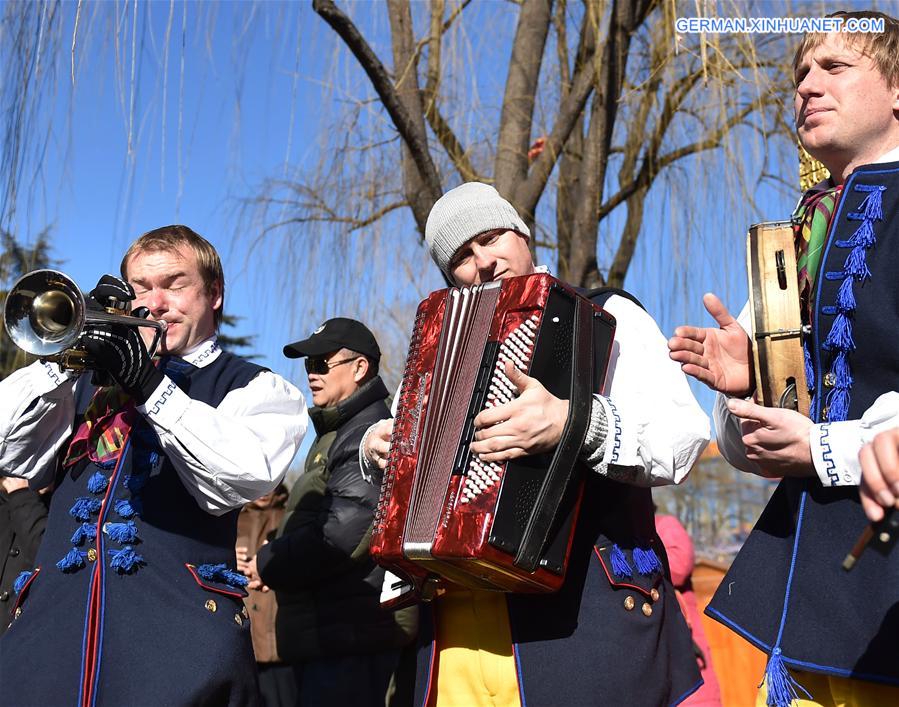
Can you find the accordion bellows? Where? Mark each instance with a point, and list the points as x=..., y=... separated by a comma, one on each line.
x=443, y=514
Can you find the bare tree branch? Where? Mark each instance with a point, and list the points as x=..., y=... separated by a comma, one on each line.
x=518, y=101
x=413, y=135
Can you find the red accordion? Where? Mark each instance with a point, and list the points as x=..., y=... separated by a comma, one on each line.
x=443, y=515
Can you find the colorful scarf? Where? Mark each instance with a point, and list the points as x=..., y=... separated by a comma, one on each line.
x=107, y=421
x=813, y=220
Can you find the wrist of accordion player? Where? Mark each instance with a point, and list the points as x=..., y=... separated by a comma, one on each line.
x=596, y=444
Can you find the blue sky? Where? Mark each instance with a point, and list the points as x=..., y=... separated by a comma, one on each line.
x=251, y=106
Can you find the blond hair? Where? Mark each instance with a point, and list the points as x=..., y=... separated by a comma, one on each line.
x=172, y=237
x=881, y=47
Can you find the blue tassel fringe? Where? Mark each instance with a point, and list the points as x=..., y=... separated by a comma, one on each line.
x=19, y=584
x=647, y=561
x=97, y=483
x=620, y=566
x=124, y=508
x=122, y=532
x=83, y=507
x=85, y=531
x=221, y=573
x=74, y=560
x=125, y=561
x=781, y=686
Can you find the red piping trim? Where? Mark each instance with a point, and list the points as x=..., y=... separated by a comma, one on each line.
x=24, y=590
x=199, y=580
x=616, y=583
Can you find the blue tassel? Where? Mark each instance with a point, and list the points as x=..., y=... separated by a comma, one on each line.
x=221, y=573
x=864, y=235
x=122, y=532
x=86, y=531
x=845, y=297
x=124, y=508
x=19, y=584
x=856, y=265
x=125, y=561
x=74, y=560
x=873, y=203
x=842, y=371
x=840, y=336
x=97, y=483
x=83, y=508
x=781, y=686
x=809, y=368
x=647, y=561
x=620, y=566
x=837, y=405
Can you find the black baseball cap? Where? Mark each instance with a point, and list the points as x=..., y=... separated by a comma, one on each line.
x=337, y=333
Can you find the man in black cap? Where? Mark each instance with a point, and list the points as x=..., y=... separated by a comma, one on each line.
x=329, y=625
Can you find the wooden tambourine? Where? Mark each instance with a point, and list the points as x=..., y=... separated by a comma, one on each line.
x=776, y=320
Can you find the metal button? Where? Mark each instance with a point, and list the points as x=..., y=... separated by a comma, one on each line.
x=246, y=614
x=824, y=413
x=830, y=379
x=14, y=552
x=91, y=554
x=4, y=596
x=211, y=605
x=654, y=593
x=629, y=603
x=18, y=612
x=238, y=619
x=647, y=609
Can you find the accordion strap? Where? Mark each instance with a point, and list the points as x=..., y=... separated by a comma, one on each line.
x=564, y=466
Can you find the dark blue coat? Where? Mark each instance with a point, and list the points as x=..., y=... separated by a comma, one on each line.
x=118, y=631
x=788, y=577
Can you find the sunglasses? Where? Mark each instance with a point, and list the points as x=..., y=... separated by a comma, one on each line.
x=321, y=367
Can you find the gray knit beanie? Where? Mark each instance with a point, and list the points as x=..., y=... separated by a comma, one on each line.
x=463, y=213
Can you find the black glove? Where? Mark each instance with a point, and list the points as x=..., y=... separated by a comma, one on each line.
x=118, y=349
x=111, y=290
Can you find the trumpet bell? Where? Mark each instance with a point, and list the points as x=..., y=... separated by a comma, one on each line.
x=44, y=312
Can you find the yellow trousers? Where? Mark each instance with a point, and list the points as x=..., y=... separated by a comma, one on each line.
x=832, y=691
x=475, y=663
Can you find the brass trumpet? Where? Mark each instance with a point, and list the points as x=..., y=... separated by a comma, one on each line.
x=45, y=314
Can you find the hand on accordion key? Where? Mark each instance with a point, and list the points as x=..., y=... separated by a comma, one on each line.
x=376, y=443
x=528, y=424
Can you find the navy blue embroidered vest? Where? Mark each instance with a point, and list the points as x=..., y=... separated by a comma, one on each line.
x=133, y=599
x=816, y=616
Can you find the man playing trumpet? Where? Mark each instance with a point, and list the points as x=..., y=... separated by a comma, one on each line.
x=133, y=597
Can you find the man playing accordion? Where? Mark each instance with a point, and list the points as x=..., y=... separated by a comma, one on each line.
x=613, y=633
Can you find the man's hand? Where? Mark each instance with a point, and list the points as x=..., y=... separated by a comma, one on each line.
x=775, y=438
x=13, y=483
x=376, y=445
x=247, y=566
x=530, y=424
x=880, y=474
x=721, y=358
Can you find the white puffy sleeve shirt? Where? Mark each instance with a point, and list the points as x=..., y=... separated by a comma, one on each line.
x=655, y=428
x=226, y=456
x=834, y=445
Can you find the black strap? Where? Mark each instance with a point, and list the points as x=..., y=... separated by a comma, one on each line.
x=564, y=463
x=600, y=295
